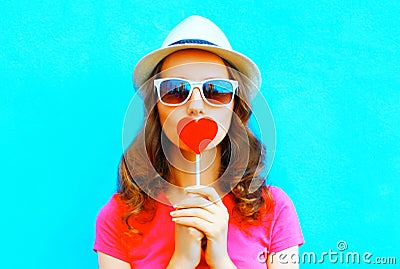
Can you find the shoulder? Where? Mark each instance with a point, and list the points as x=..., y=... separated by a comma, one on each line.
x=279, y=197
x=110, y=229
x=111, y=214
x=115, y=206
x=115, y=203
x=280, y=202
x=285, y=225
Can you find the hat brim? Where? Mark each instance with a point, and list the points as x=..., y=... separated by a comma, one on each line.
x=242, y=63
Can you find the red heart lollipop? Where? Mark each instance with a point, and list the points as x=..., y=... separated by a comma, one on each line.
x=197, y=134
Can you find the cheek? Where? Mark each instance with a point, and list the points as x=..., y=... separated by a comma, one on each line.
x=162, y=113
x=224, y=122
x=166, y=119
x=169, y=118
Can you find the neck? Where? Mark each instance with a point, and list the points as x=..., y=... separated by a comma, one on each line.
x=183, y=172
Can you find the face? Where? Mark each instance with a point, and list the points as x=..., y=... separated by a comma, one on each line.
x=195, y=65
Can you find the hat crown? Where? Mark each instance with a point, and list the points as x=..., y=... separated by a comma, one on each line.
x=197, y=28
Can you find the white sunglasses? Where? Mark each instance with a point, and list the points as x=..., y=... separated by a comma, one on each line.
x=177, y=91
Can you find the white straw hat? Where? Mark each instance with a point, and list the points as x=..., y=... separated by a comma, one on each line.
x=196, y=32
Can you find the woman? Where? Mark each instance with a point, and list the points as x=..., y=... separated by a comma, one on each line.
x=196, y=86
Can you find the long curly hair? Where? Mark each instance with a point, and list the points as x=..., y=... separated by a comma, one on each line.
x=144, y=168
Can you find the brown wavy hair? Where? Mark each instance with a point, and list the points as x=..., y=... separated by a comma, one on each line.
x=144, y=168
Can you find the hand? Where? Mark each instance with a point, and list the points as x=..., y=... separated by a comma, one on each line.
x=187, y=252
x=208, y=214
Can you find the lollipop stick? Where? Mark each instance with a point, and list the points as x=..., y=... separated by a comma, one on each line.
x=197, y=169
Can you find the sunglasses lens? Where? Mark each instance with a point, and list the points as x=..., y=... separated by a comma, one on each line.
x=219, y=92
x=174, y=91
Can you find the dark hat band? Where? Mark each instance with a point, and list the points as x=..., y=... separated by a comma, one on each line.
x=193, y=41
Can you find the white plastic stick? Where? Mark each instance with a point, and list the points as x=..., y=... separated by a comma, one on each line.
x=198, y=169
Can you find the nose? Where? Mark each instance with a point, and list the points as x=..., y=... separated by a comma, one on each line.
x=195, y=103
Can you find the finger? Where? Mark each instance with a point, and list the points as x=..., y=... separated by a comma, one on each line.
x=198, y=223
x=194, y=212
x=209, y=192
x=195, y=233
x=197, y=202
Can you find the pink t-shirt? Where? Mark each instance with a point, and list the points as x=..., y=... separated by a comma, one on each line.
x=278, y=229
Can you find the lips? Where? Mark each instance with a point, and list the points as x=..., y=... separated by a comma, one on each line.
x=197, y=134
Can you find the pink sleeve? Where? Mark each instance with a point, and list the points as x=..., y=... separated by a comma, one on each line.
x=109, y=229
x=286, y=231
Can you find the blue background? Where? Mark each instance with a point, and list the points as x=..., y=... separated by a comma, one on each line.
x=330, y=74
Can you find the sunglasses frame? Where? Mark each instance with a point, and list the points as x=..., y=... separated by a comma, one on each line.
x=194, y=84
